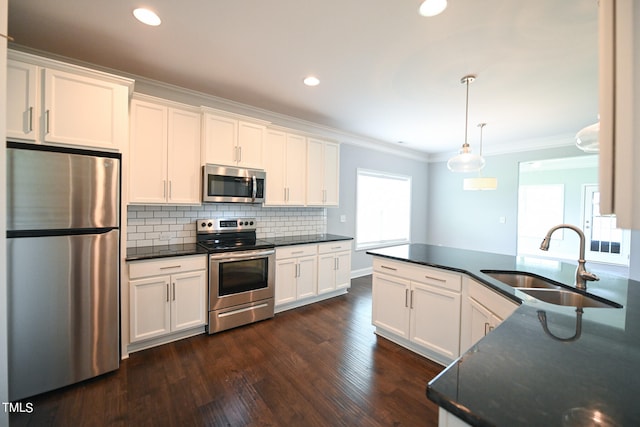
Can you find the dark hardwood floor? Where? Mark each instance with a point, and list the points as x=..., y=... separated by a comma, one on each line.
x=319, y=365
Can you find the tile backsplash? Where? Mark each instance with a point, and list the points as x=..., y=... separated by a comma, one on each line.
x=151, y=225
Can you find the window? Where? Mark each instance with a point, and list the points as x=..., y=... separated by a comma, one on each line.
x=383, y=206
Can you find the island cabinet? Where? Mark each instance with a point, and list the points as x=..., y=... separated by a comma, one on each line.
x=323, y=169
x=296, y=273
x=164, y=152
x=50, y=102
x=285, y=157
x=166, y=297
x=232, y=140
x=418, y=307
x=482, y=310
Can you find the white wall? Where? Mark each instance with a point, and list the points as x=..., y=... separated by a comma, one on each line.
x=353, y=157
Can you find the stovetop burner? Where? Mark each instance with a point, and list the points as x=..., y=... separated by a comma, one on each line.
x=223, y=235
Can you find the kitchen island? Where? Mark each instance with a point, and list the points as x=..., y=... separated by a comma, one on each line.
x=580, y=368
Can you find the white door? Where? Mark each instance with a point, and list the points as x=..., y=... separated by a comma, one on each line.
x=435, y=319
x=343, y=270
x=307, y=277
x=148, y=153
x=326, y=273
x=83, y=111
x=390, y=303
x=250, y=142
x=605, y=241
x=296, y=170
x=220, y=140
x=149, y=311
x=315, y=173
x=481, y=321
x=188, y=300
x=183, y=149
x=22, y=101
x=331, y=174
x=274, y=164
x=286, y=276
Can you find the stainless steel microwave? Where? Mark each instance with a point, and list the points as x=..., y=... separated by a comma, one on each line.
x=226, y=184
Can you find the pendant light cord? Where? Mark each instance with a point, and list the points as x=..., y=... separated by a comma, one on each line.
x=466, y=115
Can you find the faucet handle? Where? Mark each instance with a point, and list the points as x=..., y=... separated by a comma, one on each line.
x=591, y=277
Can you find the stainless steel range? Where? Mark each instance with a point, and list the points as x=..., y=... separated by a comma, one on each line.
x=241, y=272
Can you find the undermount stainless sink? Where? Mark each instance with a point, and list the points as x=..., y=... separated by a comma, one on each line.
x=547, y=290
x=518, y=279
x=568, y=298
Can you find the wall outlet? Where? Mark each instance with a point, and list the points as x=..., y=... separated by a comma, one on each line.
x=502, y=220
x=343, y=218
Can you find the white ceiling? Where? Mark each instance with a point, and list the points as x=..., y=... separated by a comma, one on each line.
x=386, y=72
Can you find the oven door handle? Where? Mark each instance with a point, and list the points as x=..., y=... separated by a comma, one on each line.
x=242, y=255
x=254, y=193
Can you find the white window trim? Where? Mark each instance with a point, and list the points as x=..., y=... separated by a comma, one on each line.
x=382, y=243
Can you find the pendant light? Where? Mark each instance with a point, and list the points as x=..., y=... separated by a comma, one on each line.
x=588, y=138
x=480, y=182
x=432, y=7
x=466, y=161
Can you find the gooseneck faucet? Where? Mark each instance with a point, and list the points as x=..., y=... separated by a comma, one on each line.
x=582, y=275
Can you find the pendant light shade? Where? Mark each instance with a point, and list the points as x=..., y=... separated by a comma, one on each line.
x=588, y=138
x=432, y=7
x=480, y=182
x=466, y=161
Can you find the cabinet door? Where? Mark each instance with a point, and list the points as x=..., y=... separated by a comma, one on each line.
x=307, y=277
x=250, y=142
x=343, y=270
x=315, y=171
x=148, y=153
x=482, y=321
x=188, y=300
x=326, y=273
x=331, y=161
x=286, y=276
x=435, y=319
x=81, y=110
x=390, y=304
x=149, y=308
x=296, y=170
x=183, y=161
x=220, y=140
x=22, y=101
x=274, y=164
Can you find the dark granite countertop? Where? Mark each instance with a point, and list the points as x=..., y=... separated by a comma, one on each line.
x=520, y=375
x=150, y=252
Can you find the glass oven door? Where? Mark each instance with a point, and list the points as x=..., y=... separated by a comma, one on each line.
x=240, y=277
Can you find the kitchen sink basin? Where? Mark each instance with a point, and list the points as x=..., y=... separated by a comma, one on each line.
x=518, y=279
x=568, y=298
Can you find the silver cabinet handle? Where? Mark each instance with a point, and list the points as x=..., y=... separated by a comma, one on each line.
x=411, y=300
x=164, y=189
x=406, y=297
x=167, y=291
x=169, y=188
x=170, y=266
x=46, y=121
x=435, y=278
x=389, y=268
x=335, y=263
x=174, y=291
x=30, y=119
x=285, y=193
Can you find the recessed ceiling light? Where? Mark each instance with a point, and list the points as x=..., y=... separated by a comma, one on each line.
x=432, y=7
x=147, y=16
x=311, y=81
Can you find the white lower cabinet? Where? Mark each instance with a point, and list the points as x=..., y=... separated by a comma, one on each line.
x=296, y=273
x=482, y=310
x=166, y=296
x=334, y=266
x=418, y=307
x=309, y=273
x=433, y=311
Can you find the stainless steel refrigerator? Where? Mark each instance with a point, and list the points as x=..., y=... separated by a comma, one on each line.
x=63, y=217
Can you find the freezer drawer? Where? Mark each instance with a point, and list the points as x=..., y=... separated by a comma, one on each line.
x=63, y=310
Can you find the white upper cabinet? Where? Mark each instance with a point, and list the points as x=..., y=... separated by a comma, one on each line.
x=323, y=169
x=54, y=103
x=22, y=100
x=232, y=141
x=285, y=164
x=164, y=152
x=619, y=98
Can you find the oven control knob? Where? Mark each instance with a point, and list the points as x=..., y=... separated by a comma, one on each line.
x=251, y=223
x=241, y=223
x=204, y=224
x=210, y=224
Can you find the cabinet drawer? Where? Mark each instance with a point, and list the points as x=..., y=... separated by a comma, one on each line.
x=394, y=268
x=494, y=302
x=171, y=265
x=324, y=248
x=436, y=277
x=296, y=251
